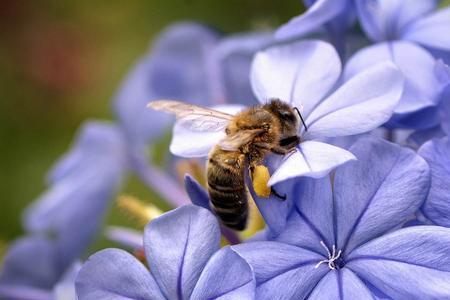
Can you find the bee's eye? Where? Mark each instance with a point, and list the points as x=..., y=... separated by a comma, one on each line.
x=287, y=115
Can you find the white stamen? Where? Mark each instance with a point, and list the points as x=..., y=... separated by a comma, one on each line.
x=332, y=257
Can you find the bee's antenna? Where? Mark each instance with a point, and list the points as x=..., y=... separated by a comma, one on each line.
x=301, y=118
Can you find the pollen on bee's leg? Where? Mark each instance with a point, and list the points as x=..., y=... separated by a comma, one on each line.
x=136, y=209
x=260, y=178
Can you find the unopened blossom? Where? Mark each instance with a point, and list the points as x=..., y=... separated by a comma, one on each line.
x=342, y=239
x=182, y=251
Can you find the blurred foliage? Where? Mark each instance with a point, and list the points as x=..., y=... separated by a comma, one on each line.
x=60, y=64
x=3, y=248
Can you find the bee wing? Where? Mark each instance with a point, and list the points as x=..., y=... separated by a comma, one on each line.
x=194, y=117
x=232, y=142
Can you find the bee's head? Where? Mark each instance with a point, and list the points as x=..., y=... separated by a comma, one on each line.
x=288, y=117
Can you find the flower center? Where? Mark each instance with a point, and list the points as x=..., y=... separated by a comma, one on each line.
x=333, y=258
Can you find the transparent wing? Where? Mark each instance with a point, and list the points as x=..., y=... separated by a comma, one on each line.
x=192, y=116
x=232, y=142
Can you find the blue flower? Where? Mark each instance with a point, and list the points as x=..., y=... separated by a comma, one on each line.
x=335, y=15
x=82, y=184
x=62, y=223
x=34, y=269
x=342, y=240
x=437, y=207
x=305, y=74
x=182, y=251
x=423, y=86
x=398, y=27
x=415, y=21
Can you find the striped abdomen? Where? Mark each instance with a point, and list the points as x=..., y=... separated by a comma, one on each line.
x=226, y=187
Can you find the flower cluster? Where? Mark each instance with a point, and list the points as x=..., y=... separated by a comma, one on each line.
x=367, y=208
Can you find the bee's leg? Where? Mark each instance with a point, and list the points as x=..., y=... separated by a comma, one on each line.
x=259, y=175
x=282, y=197
x=279, y=150
x=251, y=170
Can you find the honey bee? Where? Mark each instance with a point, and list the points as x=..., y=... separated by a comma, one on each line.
x=250, y=136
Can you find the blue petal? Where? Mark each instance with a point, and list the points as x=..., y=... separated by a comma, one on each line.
x=73, y=211
x=157, y=179
x=422, y=86
x=273, y=209
x=176, y=68
x=196, y=192
x=395, y=184
x=338, y=29
x=225, y=276
x=19, y=292
x=178, y=245
x=97, y=143
x=423, y=119
x=431, y=31
x=445, y=110
x=73, y=208
x=31, y=261
x=300, y=73
x=320, y=12
x=140, y=124
x=234, y=55
x=65, y=288
x=312, y=218
x=341, y=284
x=419, y=137
x=113, y=274
x=385, y=20
x=437, y=206
x=363, y=103
x=312, y=159
x=282, y=271
x=128, y=238
x=411, y=263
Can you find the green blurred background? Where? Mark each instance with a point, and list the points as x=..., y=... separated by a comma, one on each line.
x=62, y=61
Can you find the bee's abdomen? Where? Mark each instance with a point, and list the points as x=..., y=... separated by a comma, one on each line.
x=227, y=190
